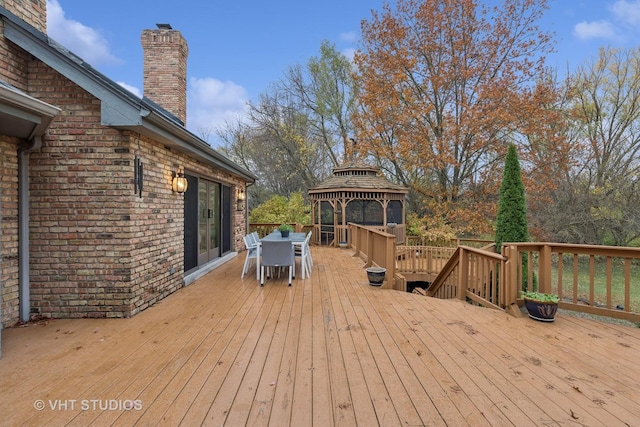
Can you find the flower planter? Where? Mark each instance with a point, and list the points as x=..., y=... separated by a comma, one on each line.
x=284, y=233
x=542, y=311
x=376, y=275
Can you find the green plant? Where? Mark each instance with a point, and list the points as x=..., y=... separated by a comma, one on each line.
x=540, y=297
x=511, y=221
x=285, y=227
x=279, y=209
x=432, y=230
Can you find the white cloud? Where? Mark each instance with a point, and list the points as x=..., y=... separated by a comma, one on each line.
x=596, y=29
x=212, y=103
x=83, y=41
x=134, y=90
x=350, y=37
x=626, y=11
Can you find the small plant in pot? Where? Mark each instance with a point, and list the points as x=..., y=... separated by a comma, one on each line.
x=540, y=306
x=285, y=229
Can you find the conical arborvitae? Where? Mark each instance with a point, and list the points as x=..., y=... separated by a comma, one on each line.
x=511, y=224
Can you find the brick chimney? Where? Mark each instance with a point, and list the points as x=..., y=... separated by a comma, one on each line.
x=33, y=12
x=165, y=69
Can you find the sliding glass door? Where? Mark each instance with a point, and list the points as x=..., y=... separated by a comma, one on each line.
x=208, y=225
x=208, y=221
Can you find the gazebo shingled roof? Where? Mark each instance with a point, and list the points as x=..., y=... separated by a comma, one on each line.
x=357, y=175
x=354, y=182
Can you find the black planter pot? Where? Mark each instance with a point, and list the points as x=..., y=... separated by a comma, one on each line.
x=284, y=233
x=376, y=275
x=542, y=311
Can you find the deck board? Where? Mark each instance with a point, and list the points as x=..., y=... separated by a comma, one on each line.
x=328, y=351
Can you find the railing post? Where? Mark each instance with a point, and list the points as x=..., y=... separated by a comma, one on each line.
x=370, y=249
x=544, y=269
x=391, y=259
x=510, y=280
x=463, y=277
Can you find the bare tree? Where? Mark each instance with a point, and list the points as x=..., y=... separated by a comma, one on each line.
x=299, y=129
x=598, y=203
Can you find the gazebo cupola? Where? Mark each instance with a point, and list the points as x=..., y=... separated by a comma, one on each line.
x=358, y=193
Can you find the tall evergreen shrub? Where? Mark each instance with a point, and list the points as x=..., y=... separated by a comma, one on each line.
x=511, y=223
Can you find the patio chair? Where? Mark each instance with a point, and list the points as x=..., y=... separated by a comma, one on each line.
x=253, y=251
x=277, y=254
x=303, y=252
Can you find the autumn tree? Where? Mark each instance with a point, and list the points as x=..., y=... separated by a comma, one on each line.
x=444, y=87
x=597, y=203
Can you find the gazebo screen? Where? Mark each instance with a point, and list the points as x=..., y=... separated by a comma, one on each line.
x=394, y=212
x=326, y=222
x=365, y=212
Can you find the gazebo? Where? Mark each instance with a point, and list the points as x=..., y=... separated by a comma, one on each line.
x=356, y=192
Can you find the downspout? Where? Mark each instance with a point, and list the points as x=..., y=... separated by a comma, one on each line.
x=24, y=293
x=246, y=207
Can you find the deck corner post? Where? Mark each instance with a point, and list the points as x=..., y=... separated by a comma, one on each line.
x=463, y=277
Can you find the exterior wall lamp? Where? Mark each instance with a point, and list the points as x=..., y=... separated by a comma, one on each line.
x=240, y=198
x=179, y=183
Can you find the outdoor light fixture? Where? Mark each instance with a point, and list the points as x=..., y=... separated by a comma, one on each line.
x=240, y=198
x=179, y=184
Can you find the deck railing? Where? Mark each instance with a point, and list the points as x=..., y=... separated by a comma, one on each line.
x=334, y=235
x=453, y=243
x=376, y=248
x=600, y=280
x=422, y=263
x=471, y=274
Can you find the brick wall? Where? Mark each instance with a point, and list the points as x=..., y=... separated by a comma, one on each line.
x=13, y=69
x=80, y=198
x=13, y=63
x=34, y=12
x=165, y=54
x=9, y=225
x=158, y=222
x=98, y=249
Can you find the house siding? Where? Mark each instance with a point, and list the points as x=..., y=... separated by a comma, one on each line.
x=96, y=248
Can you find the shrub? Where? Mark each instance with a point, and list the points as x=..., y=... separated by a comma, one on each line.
x=279, y=209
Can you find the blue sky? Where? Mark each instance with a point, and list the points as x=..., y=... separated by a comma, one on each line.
x=237, y=48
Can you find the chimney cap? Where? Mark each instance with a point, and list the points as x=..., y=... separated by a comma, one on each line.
x=164, y=26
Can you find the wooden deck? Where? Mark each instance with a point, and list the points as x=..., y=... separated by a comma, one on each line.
x=330, y=350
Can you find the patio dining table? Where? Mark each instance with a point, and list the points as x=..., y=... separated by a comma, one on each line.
x=297, y=239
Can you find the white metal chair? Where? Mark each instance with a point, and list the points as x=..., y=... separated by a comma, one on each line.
x=304, y=253
x=253, y=252
x=278, y=253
